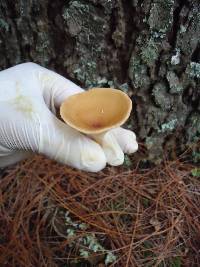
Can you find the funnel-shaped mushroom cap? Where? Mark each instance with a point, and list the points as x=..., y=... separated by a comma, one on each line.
x=96, y=110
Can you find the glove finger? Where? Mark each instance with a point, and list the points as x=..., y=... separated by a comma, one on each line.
x=111, y=148
x=126, y=139
x=85, y=154
x=67, y=146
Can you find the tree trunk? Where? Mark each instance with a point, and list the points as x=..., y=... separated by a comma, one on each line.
x=148, y=48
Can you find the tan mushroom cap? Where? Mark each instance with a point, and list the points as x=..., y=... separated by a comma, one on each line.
x=96, y=110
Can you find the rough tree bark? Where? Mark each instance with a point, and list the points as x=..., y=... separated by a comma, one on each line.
x=148, y=48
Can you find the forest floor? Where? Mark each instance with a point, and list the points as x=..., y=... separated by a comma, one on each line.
x=134, y=215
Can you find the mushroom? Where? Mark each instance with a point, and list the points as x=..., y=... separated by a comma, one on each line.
x=97, y=110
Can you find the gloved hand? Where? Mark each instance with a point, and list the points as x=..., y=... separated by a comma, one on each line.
x=29, y=95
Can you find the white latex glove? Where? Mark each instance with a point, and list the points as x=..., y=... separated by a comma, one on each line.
x=29, y=95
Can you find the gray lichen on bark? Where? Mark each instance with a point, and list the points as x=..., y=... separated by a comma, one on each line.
x=148, y=48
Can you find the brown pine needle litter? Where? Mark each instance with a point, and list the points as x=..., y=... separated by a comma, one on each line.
x=53, y=215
